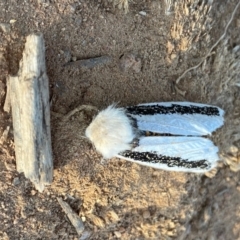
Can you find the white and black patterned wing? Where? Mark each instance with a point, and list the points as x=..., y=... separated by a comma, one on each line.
x=182, y=154
x=177, y=118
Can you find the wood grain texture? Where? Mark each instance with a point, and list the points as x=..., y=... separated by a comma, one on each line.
x=28, y=95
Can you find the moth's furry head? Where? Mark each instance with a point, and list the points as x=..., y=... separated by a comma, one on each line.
x=111, y=132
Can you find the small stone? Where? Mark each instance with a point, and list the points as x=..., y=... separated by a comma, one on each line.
x=16, y=181
x=12, y=21
x=117, y=234
x=143, y=13
x=171, y=225
x=15, y=221
x=146, y=214
x=130, y=61
x=173, y=56
x=5, y=27
x=74, y=59
x=33, y=192
x=171, y=233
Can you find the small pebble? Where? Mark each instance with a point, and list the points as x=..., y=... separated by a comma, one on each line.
x=117, y=234
x=33, y=192
x=173, y=56
x=74, y=59
x=130, y=61
x=5, y=27
x=171, y=225
x=16, y=181
x=15, y=221
x=12, y=21
x=143, y=13
x=171, y=233
x=146, y=214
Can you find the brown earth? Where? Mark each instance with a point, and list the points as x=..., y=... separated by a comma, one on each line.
x=150, y=47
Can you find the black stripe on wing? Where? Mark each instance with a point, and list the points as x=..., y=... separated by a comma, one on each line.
x=150, y=157
x=174, y=108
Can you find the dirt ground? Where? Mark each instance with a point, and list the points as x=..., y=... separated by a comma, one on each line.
x=149, y=47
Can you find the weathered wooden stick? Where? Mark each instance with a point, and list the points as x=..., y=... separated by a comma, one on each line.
x=90, y=63
x=28, y=94
x=72, y=216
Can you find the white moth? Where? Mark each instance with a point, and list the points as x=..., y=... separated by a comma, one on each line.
x=169, y=135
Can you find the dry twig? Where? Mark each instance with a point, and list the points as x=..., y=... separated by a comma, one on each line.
x=78, y=109
x=72, y=216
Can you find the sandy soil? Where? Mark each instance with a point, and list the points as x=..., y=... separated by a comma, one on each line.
x=150, y=47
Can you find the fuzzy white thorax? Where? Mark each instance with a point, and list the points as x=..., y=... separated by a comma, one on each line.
x=111, y=132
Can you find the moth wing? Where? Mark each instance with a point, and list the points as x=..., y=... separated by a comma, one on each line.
x=177, y=118
x=183, y=154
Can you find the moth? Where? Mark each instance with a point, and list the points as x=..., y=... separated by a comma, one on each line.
x=166, y=135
